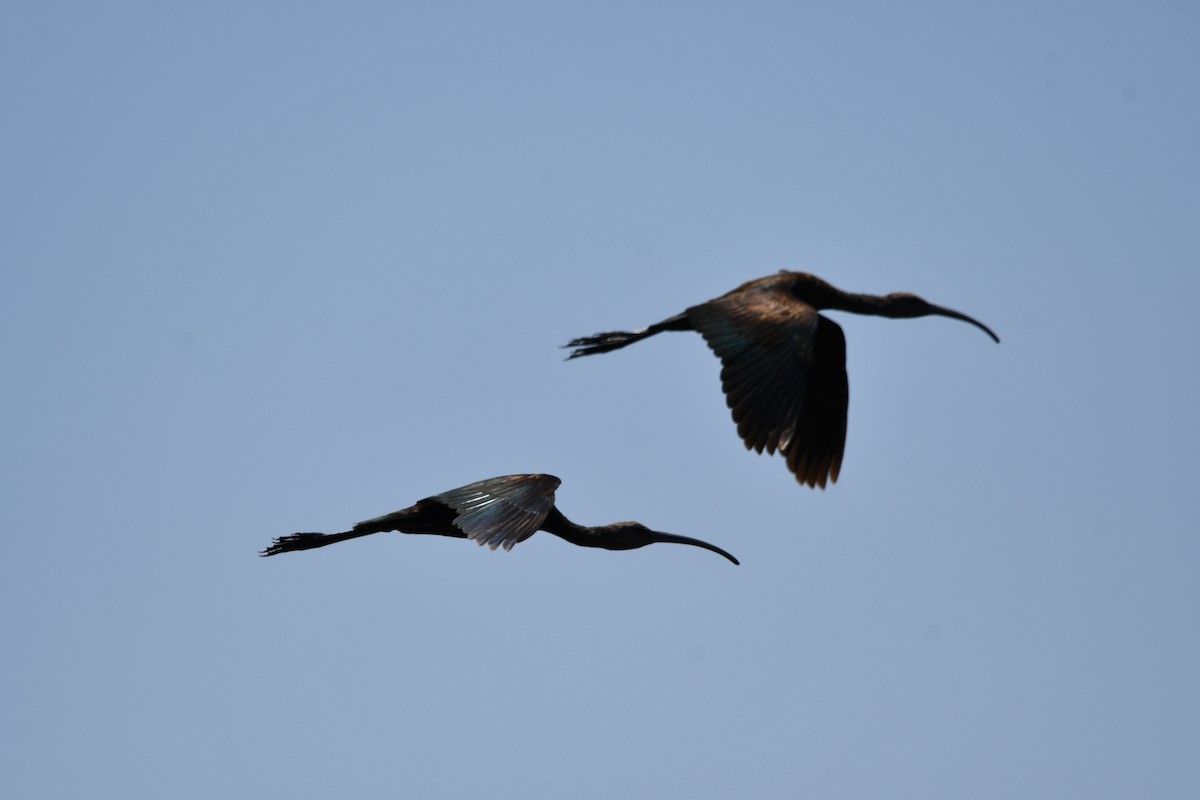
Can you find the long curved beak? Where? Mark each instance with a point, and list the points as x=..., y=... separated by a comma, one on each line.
x=949, y=312
x=671, y=538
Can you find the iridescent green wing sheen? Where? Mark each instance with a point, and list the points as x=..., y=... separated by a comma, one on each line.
x=504, y=511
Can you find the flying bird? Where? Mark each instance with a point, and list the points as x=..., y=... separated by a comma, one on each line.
x=783, y=363
x=498, y=512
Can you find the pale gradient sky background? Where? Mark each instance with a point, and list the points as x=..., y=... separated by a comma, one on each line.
x=284, y=266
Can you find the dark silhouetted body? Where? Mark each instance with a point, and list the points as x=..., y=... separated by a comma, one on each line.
x=784, y=364
x=498, y=512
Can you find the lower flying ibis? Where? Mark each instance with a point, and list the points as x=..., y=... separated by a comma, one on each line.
x=498, y=512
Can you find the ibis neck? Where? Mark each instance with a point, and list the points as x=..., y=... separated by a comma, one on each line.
x=855, y=303
x=557, y=523
x=821, y=295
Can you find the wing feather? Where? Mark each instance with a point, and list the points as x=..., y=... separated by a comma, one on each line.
x=783, y=373
x=504, y=511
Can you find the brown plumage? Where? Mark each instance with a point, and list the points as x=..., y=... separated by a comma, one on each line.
x=784, y=364
x=498, y=512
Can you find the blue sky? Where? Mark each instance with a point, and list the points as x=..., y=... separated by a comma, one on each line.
x=280, y=267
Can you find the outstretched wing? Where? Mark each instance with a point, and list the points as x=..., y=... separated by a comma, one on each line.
x=784, y=375
x=504, y=511
x=815, y=452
